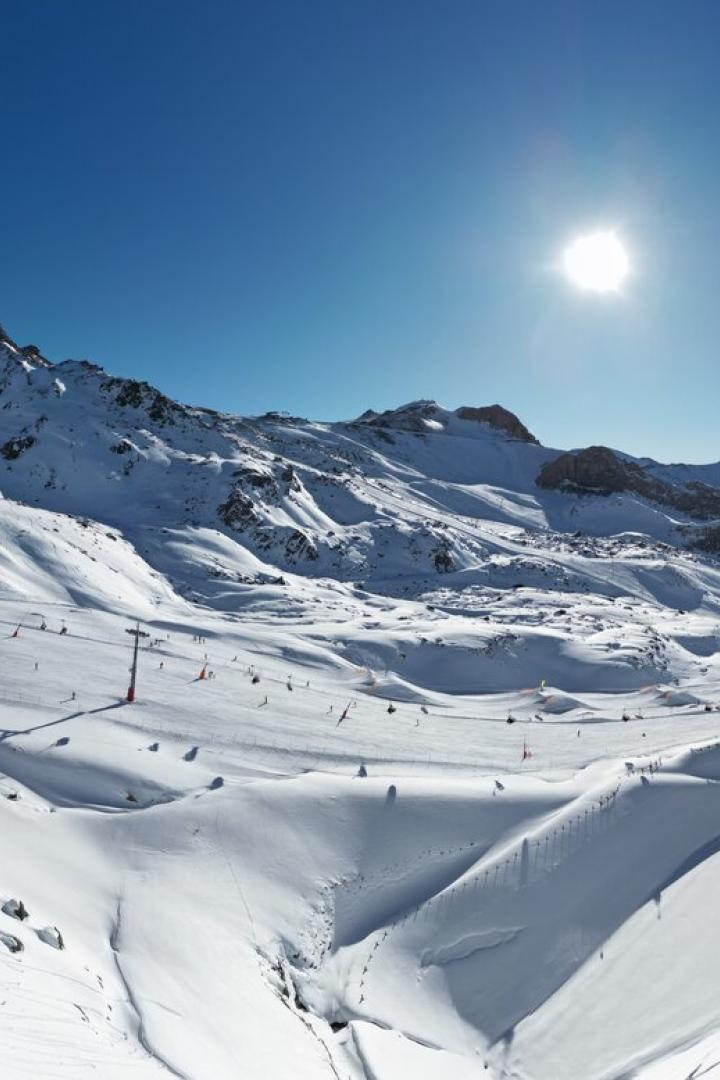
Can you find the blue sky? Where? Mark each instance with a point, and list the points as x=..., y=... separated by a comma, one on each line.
x=328, y=206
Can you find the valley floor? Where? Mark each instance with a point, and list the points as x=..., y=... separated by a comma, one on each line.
x=532, y=899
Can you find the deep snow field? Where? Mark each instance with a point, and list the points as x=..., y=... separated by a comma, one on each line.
x=446, y=800
x=235, y=900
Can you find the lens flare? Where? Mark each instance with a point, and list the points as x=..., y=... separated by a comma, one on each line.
x=597, y=262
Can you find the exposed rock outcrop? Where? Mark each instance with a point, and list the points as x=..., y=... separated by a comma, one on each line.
x=706, y=539
x=498, y=417
x=13, y=448
x=410, y=417
x=132, y=394
x=597, y=470
x=423, y=416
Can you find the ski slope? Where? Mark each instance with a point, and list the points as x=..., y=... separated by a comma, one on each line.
x=228, y=887
x=440, y=799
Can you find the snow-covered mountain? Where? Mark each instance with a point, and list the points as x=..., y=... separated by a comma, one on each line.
x=403, y=494
x=421, y=775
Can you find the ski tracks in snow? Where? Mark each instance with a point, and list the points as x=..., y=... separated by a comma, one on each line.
x=134, y=1003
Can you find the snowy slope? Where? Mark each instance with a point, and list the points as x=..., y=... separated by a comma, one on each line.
x=445, y=798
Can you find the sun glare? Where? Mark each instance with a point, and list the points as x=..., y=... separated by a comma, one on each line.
x=597, y=262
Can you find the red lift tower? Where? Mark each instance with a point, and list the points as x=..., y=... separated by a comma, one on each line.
x=137, y=633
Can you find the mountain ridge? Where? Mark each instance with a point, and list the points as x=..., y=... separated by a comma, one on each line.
x=388, y=499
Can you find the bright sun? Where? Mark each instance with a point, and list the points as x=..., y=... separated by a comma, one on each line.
x=597, y=262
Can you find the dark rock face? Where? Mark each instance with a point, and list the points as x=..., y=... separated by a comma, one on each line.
x=701, y=500
x=13, y=448
x=129, y=393
x=238, y=511
x=499, y=418
x=122, y=447
x=413, y=417
x=443, y=561
x=596, y=470
x=408, y=417
x=298, y=545
x=708, y=540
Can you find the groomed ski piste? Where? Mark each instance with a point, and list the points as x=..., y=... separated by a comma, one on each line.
x=535, y=898
x=420, y=779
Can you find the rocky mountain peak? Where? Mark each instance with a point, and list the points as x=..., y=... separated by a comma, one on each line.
x=593, y=469
x=597, y=470
x=427, y=415
x=498, y=417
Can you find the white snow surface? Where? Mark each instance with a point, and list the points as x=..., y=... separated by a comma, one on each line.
x=522, y=884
